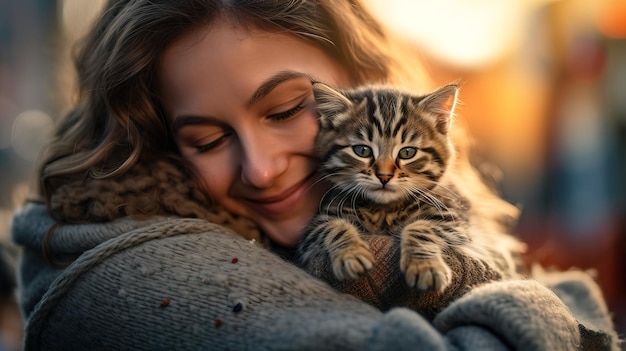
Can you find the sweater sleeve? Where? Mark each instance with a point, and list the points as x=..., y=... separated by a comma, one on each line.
x=188, y=284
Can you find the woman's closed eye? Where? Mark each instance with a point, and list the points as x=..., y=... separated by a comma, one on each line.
x=280, y=116
x=214, y=143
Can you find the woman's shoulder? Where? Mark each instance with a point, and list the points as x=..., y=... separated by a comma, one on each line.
x=171, y=281
x=54, y=256
x=32, y=223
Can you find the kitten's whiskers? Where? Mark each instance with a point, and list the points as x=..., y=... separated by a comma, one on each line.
x=454, y=196
x=320, y=179
x=329, y=191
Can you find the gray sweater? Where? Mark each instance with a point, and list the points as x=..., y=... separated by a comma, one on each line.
x=186, y=284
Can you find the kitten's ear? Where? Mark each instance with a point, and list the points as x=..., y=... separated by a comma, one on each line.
x=330, y=103
x=441, y=104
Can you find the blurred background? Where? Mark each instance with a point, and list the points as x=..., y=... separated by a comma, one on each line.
x=544, y=98
x=545, y=101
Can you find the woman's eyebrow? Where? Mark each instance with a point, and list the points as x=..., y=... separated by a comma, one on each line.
x=269, y=84
x=263, y=90
x=189, y=120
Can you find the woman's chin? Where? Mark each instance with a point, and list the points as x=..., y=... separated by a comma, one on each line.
x=287, y=232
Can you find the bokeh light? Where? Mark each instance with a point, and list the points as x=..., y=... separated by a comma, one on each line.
x=30, y=131
x=462, y=33
x=611, y=18
x=77, y=15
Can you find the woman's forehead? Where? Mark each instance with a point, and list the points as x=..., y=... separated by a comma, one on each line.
x=223, y=60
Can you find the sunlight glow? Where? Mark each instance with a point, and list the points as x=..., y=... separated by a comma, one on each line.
x=77, y=15
x=459, y=32
x=30, y=132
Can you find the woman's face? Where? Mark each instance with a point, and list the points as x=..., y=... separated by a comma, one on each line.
x=242, y=112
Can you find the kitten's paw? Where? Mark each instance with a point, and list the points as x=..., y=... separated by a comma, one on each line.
x=426, y=274
x=350, y=263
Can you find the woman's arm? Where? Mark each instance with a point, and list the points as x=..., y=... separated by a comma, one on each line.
x=189, y=284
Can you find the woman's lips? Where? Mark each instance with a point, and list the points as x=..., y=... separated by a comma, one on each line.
x=285, y=201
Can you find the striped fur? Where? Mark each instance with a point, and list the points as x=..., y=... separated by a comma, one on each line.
x=386, y=153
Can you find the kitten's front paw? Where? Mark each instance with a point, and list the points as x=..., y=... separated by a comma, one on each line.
x=426, y=274
x=351, y=262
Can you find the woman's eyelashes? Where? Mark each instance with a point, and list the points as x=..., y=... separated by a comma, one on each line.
x=213, y=144
x=286, y=114
x=279, y=116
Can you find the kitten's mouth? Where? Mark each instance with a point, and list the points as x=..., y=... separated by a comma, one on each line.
x=384, y=195
x=386, y=188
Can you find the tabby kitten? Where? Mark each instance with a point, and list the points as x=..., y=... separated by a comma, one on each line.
x=386, y=153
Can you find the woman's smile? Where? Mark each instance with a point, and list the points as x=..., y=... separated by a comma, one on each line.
x=241, y=108
x=283, y=201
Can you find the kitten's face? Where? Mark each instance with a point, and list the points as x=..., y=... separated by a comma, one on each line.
x=384, y=144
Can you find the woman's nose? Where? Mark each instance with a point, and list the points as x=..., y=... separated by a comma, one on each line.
x=263, y=162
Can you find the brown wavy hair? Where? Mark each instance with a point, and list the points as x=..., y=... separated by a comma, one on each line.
x=113, y=154
x=117, y=131
x=117, y=119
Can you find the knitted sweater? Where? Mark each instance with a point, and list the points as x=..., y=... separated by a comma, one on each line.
x=168, y=283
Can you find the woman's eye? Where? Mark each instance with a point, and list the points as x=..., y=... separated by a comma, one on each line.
x=213, y=144
x=362, y=150
x=407, y=152
x=286, y=114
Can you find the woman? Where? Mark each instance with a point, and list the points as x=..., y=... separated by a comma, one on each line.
x=184, y=101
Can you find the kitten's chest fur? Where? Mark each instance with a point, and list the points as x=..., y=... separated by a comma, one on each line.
x=379, y=219
x=374, y=220
x=390, y=219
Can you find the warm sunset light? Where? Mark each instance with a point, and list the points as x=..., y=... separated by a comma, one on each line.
x=459, y=32
x=611, y=18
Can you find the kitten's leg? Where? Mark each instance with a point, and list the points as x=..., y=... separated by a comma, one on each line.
x=421, y=255
x=349, y=254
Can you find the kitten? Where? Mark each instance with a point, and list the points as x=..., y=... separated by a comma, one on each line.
x=386, y=154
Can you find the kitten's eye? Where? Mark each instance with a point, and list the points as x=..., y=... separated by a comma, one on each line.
x=362, y=150
x=407, y=152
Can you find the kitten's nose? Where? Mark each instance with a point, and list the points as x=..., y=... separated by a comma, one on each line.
x=384, y=178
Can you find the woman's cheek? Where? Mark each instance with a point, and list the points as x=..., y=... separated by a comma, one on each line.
x=214, y=171
x=308, y=131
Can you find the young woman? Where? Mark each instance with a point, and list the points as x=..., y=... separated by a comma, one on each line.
x=194, y=116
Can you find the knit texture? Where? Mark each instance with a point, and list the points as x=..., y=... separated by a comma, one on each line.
x=163, y=188
x=159, y=188
x=584, y=298
x=187, y=284
x=385, y=286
